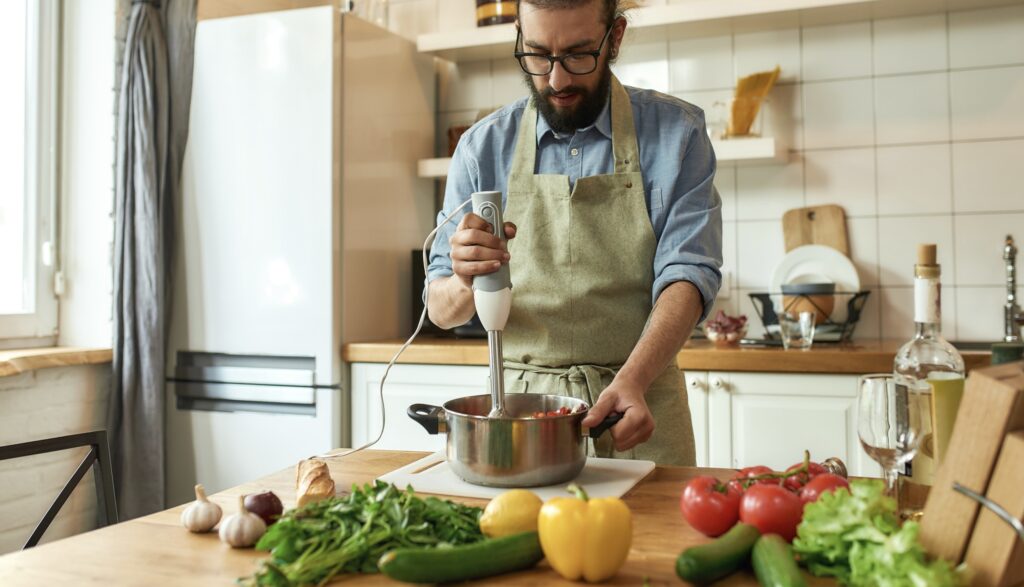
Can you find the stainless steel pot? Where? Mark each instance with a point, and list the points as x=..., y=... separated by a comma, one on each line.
x=515, y=451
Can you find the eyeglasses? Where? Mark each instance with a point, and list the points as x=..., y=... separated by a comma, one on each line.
x=575, y=63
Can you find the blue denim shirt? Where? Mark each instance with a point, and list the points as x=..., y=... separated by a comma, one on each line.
x=676, y=159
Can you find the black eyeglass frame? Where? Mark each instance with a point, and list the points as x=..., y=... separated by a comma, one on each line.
x=596, y=54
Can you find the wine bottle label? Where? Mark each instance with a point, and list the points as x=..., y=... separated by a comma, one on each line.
x=927, y=301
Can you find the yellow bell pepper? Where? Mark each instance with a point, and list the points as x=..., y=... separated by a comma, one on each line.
x=582, y=537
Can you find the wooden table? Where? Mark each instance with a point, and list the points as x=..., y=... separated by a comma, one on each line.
x=155, y=550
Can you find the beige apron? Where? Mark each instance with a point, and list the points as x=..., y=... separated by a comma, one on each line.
x=582, y=274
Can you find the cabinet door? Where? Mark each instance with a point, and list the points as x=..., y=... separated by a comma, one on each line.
x=770, y=419
x=697, y=395
x=406, y=385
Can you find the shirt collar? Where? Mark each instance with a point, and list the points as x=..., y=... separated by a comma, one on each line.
x=603, y=124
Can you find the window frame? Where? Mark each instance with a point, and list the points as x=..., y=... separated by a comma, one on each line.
x=42, y=117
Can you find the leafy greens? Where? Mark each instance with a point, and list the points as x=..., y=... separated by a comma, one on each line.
x=856, y=537
x=349, y=534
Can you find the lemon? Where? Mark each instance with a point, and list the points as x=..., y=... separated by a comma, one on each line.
x=511, y=512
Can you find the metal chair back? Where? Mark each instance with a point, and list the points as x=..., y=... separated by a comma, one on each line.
x=99, y=455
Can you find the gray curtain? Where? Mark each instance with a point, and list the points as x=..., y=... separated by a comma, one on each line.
x=155, y=72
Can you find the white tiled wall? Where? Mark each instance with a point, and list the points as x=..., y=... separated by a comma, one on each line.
x=44, y=404
x=914, y=125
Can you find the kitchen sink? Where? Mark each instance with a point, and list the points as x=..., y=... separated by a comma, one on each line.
x=971, y=345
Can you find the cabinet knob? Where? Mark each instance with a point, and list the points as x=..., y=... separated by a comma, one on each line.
x=696, y=384
x=717, y=383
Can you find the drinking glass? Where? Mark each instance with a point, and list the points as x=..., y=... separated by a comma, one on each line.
x=889, y=430
x=797, y=329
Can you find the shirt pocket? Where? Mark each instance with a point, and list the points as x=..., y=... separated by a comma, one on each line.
x=654, y=199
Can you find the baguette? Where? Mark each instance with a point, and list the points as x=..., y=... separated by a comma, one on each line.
x=313, y=482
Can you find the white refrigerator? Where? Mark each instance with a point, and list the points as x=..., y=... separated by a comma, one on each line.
x=300, y=204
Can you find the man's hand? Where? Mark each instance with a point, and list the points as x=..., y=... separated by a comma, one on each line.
x=626, y=398
x=475, y=250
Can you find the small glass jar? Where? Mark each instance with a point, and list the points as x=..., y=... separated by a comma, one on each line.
x=490, y=12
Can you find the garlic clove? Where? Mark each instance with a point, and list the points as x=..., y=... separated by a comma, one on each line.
x=202, y=514
x=243, y=529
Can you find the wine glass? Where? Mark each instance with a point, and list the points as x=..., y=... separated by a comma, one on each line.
x=888, y=423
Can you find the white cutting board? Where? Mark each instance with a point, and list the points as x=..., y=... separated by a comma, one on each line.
x=600, y=478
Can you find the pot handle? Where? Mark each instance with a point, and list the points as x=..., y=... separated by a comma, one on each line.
x=605, y=424
x=428, y=416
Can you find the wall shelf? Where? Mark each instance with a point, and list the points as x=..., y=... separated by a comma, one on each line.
x=702, y=18
x=752, y=151
x=433, y=168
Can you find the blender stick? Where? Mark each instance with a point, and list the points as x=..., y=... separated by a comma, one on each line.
x=492, y=295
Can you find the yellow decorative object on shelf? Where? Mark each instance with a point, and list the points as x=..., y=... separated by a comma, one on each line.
x=750, y=92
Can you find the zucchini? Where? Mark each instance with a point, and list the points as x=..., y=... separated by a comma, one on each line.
x=714, y=560
x=463, y=563
x=774, y=564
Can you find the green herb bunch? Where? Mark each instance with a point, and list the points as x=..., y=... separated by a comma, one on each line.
x=348, y=534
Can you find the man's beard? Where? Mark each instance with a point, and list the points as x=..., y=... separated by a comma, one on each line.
x=583, y=114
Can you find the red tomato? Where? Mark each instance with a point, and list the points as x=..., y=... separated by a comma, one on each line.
x=772, y=510
x=797, y=481
x=755, y=471
x=710, y=506
x=821, y=484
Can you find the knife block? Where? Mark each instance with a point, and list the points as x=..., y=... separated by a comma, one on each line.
x=986, y=454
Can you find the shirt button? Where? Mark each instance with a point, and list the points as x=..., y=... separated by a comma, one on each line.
x=574, y=152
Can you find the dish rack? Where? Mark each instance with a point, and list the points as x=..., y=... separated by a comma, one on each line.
x=829, y=330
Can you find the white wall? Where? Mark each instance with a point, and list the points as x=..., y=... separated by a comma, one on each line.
x=914, y=125
x=87, y=179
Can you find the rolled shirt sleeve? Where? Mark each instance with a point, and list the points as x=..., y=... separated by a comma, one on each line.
x=463, y=178
x=690, y=242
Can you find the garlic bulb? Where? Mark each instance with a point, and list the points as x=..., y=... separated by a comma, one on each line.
x=201, y=515
x=243, y=529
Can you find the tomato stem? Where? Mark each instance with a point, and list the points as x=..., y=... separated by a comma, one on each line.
x=804, y=468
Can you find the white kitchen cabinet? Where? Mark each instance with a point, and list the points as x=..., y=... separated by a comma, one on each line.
x=697, y=395
x=770, y=418
x=406, y=385
x=739, y=419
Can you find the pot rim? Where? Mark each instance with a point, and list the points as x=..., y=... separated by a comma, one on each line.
x=447, y=410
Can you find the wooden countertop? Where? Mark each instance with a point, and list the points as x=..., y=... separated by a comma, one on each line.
x=858, y=357
x=155, y=550
x=18, y=361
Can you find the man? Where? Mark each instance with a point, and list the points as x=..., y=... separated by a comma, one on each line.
x=614, y=231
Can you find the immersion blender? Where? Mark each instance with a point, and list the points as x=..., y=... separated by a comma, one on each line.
x=492, y=295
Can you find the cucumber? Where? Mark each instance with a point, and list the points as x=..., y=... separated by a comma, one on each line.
x=714, y=560
x=463, y=563
x=774, y=564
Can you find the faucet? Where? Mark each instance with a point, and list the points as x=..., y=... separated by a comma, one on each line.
x=1013, y=316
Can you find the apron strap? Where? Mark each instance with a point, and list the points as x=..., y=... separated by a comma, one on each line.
x=590, y=374
x=624, y=144
x=524, y=160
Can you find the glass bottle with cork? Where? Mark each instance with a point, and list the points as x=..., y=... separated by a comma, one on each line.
x=932, y=371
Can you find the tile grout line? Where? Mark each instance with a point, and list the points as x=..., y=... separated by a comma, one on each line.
x=803, y=137
x=878, y=236
x=952, y=196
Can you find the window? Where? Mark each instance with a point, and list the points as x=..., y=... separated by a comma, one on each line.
x=28, y=148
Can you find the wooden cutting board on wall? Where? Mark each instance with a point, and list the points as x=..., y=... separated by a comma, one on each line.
x=816, y=225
